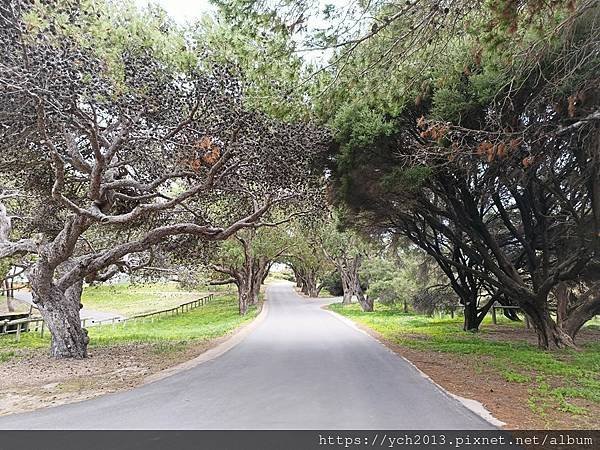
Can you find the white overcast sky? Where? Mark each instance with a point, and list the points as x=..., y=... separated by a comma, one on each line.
x=189, y=10
x=182, y=10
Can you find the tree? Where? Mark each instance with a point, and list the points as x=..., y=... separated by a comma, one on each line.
x=434, y=299
x=392, y=277
x=116, y=126
x=305, y=257
x=485, y=155
x=247, y=258
x=258, y=44
x=347, y=251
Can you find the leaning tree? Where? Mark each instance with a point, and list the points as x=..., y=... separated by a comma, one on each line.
x=125, y=131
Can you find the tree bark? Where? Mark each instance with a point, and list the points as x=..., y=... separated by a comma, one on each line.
x=549, y=334
x=244, y=295
x=471, y=322
x=365, y=302
x=561, y=292
x=348, y=291
x=60, y=311
x=348, y=270
x=474, y=315
x=260, y=267
x=312, y=290
x=308, y=282
x=297, y=277
x=60, y=305
x=584, y=311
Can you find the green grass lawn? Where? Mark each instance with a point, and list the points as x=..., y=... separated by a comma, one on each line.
x=205, y=323
x=556, y=379
x=129, y=300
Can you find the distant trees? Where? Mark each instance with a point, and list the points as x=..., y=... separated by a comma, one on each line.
x=124, y=130
x=305, y=257
x=246, y=259
x=394, y=276
x=435, y=299
x=347, y=251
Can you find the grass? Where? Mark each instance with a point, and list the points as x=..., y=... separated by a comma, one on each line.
x=129, y=300
x=5, y=356
x=168, y=334
x=205, y=323
x=556, y=379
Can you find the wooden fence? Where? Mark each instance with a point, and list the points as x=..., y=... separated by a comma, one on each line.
x=527, y=323
x=19, y=326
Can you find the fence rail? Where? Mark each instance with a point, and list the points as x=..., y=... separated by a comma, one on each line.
x=19, y=326
x=518, y=308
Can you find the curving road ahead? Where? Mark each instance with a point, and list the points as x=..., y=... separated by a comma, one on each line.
x=301, y=368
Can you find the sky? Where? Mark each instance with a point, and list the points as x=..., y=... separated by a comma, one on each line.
x=184, y=11
x=181, y=10
x=188, y=10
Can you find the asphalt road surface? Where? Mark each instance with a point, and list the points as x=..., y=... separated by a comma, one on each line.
x=301, y=368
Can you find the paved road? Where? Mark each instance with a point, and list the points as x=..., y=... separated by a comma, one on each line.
x=91, y=315
x=301, y=368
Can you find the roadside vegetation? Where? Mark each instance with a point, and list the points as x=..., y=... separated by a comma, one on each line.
x=131, y=299
x=202, y=324
x=205, y=323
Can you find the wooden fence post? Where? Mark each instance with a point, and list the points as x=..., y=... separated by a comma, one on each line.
x=18, y=332
x=494, y=321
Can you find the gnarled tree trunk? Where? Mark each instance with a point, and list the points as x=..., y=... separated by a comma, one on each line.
x=348, y=269
x=347, y=285
x=310, y=285
x=473, y=315
x=244, y=295
x=59, y=306
x=366, y=303
x=306, y=279
x=549, y=334
x=60, y=311
x=586, y=306
x=470, y=322
x=260, y=270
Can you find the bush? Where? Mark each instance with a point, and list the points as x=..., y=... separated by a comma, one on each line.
x=385, y=292
x=430, y=301
x=332, y=283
